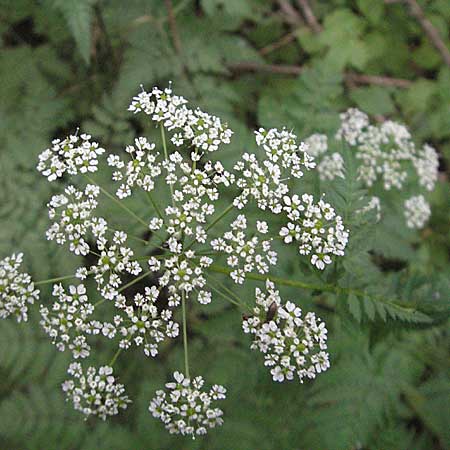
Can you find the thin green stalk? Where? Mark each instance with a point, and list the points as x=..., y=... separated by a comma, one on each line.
x=136, y=280
x=114, y=358
x=226, y=297
x=220, y=217
x=115, y=200
x=54, y=280
x=155, y=206
x=166, y=155
x=278, y=280
x=185, y=341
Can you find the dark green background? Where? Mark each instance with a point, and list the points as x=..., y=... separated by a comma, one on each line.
x=70, y=63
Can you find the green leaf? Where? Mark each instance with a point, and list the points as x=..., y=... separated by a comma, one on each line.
x=78, y=15
x=354, y=306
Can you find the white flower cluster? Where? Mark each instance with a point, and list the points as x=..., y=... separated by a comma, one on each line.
x=264, y=181
x=290, y=343
x=68, y=321
x=17, y=290
x=202, y=131
x=115, y=259
x=187, y=408
x=245, y=255
x=95, y=392
x=140, y=171
x=143, y=323
x=72, y=215
x=386, y=153
x=74, y=154
x=179, y=248
x=317, y=228
x=417, y=211
x=331, y=167
x=182, y=272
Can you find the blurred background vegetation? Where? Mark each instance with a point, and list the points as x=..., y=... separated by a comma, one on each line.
x=70, y=63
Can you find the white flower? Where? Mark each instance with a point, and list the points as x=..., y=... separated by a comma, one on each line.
x=331, y=167
x=141, y=170
x=186, y=408
x=95, y=392
x=144, y=323
x=196, y=128
x=245, y=254
x=68, y=320
x=72, y=216
x=291, y=344
x=17, y=290
x=316, y=227
x=316, y=144
x=74, y=154
x=417, y=211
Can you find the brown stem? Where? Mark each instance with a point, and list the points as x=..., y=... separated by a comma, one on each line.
x=433, y=35
x=173, y=26
x=290, y=14
x=350, y=77
x=309, y=16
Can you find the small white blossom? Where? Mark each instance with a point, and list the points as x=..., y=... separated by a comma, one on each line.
x=417, y=211
x=74, y=154
x=186, y=407
x=144, y=324
x=72, y=216
x=68, y=320
x=331, y=167
x=317, y=228
x=95, y=392
x=291, y=344
x=244, y=254
x=17, y=290
x=140, y=171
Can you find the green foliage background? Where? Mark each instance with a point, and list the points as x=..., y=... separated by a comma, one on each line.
x=65, y=63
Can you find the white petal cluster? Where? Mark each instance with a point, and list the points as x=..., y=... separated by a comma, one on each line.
x=417, y=211
x=427, y=164
x=143, y=324
x=182, y=271
x=72, y=216
x=95, y=392
x=186, y=408
x=291, y=344
x=69, y=320
x=140, y=171
x=316, y=144
x=17, y=290
x=194, y=195
x=115, y=259
x=265, y=181
x=74, y=154
x=245, y=254
x=386, y=153
x=194, y=127
x=316, y=227
x=331, y=167
x=281, y=148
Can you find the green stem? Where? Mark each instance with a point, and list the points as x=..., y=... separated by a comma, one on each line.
x=114, y=358
x=136, y=280
x=155, y=206
x=226, y=297
x=54, y=280
x=166, y=155
x=115, y=200
x=185, y=341
x=281, y=281
x=220, y=217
